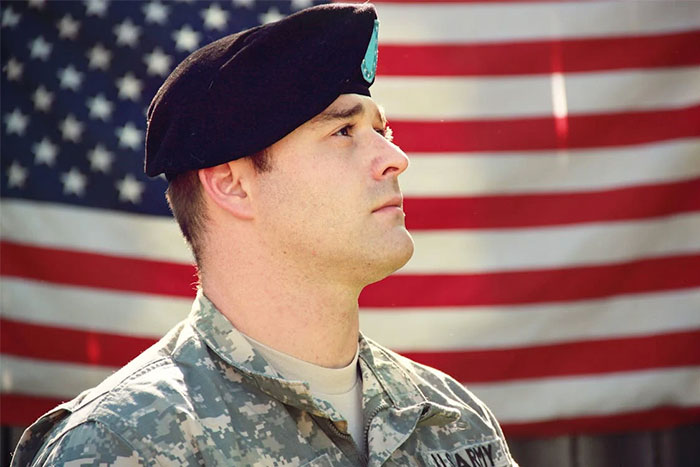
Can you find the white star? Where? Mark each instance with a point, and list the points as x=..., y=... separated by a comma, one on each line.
x=127, y=33
x=100, y=107
x=130, y=136
x=156, y=12
x=215, y=17
x=37, y=4
x=45, y=152
x=70, y=78
x=16, y=122
x=14, y=69
x=68, y=27
x=244, y=3
x=96, y=7
x=99, y=57
x=186, y=39
x=39, y=48
x=74, y=182
x=100, y=159
x=301, y=4
x=72, y=129
x=10, y=19
x=42, y=99
x=16, y=175
x=130, y=189
x=271, y=15
x=158, y=62
x=129, y=87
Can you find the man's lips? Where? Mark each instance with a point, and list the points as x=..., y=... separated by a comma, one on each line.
x=392, y=203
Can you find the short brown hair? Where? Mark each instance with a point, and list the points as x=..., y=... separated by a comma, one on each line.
x=186, y=201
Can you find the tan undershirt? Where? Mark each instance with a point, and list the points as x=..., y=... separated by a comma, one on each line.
x=342, y=387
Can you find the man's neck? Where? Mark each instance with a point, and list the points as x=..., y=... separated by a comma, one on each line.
x=313, y=320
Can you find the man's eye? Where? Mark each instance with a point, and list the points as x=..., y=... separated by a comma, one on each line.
x=345, y=131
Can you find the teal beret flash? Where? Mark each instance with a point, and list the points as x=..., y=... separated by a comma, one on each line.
x=240, y=94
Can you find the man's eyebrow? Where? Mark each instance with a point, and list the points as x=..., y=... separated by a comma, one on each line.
x=343, y=114
x=337, y=114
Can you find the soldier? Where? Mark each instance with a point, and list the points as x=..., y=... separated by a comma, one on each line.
x=284, y=181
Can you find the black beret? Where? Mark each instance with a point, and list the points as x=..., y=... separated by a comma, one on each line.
x=240, y=94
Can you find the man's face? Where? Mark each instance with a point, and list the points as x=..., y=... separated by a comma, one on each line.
x=331, y=202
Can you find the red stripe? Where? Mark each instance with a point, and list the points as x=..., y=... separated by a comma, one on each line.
x=567, y=359
x=534, y=286
x=22, y=410
x=653, y=419
x=69, y=345
x=540, y=133
x=97, y=270
x=401, y=290
x=528, y=210
x=540, y=57
x=575, y=358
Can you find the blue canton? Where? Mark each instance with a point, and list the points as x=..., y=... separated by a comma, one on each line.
x=77, y=78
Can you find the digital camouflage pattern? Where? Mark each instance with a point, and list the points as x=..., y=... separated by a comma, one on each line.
x=203, y=396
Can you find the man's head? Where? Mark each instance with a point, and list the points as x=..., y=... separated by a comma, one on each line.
x=274, y=127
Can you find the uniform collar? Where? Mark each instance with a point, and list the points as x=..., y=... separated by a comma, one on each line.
x=235, y=350
x=382, y=376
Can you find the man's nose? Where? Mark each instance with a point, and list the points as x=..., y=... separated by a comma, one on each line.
x=390, y=160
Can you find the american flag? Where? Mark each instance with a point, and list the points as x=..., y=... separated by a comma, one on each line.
x=553, y=195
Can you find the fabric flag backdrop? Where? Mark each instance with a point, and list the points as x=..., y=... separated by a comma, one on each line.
x=553, y=194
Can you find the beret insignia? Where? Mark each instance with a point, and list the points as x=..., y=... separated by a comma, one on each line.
x=369, y=63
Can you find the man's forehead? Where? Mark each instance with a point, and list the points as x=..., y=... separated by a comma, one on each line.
x=350, y=105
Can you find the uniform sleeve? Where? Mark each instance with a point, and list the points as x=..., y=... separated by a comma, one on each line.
x=90, y=444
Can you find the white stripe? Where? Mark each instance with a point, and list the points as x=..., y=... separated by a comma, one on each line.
x=91, y=309
x=48, y=379
x=456, y=175
x=448, y=251
x=402, y=329
x=511, y=97
x=551, y=247
x=479, y=328
x=606, y=394
x=95, y=230
x=455, y=23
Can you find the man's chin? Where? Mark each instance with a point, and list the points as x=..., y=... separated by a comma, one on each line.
x=405, y=252
x=393, y=260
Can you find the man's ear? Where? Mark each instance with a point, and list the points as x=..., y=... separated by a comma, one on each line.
x=227, y=186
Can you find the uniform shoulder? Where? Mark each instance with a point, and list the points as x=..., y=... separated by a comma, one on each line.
x=156, y=391
x=149, y=403
x=88, y=443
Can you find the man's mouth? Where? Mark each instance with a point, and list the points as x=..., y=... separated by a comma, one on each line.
x=395, y=202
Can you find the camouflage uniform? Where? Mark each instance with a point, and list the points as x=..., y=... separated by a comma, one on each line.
x=203, y=396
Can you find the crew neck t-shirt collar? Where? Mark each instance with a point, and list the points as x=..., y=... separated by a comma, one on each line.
x=321, y=380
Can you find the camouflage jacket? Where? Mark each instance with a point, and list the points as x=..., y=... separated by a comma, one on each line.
x=203, y=396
